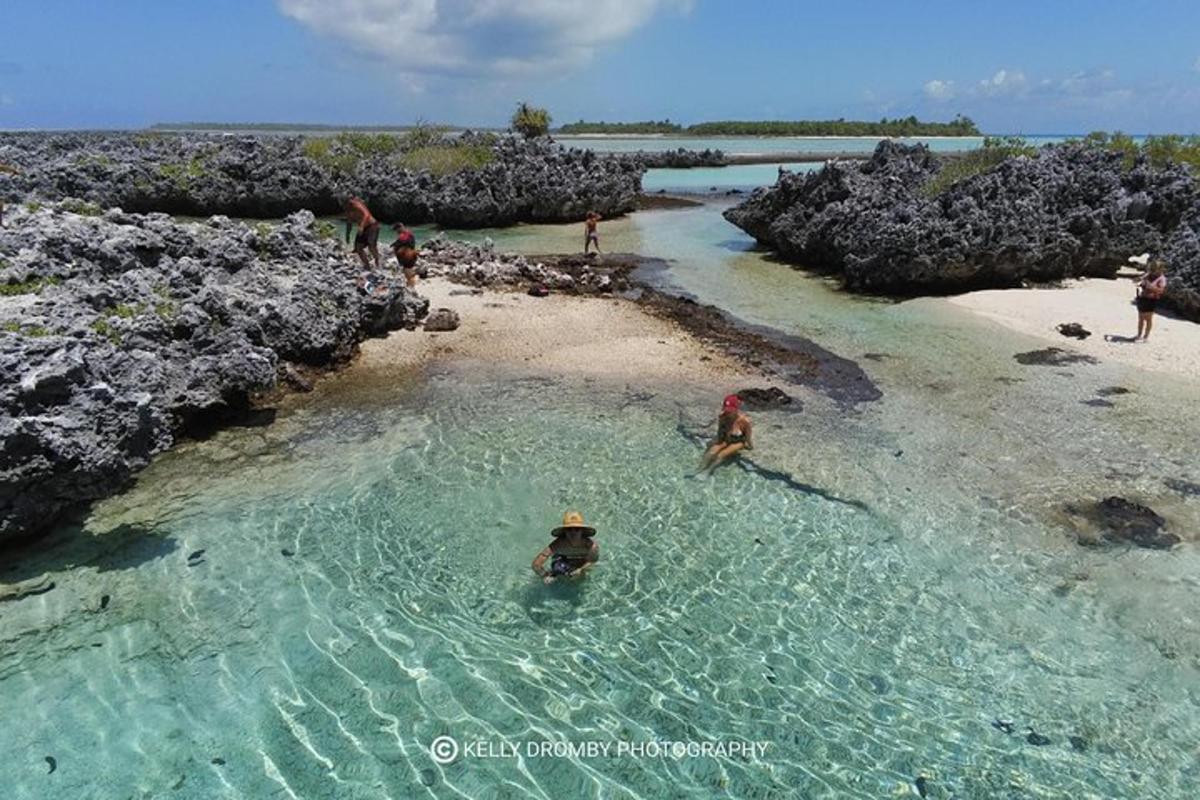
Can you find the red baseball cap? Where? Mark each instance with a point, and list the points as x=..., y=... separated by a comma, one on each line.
x=732, y=403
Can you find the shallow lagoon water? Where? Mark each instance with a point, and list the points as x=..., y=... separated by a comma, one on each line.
x=866, y=648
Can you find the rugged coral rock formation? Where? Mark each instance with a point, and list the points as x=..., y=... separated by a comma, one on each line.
x=119, y=331
x=469, y=181
x=1071, y=210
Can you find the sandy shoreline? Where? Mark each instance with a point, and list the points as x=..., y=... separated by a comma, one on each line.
x=1104, y=307
x=597, y=337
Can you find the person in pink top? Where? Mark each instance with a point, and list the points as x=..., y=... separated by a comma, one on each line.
x=1149, y=291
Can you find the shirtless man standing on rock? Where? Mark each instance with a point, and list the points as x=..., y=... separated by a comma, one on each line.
x=356, y=213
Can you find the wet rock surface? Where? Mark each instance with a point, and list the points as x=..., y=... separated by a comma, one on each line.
x=272, y=176
x=772, y=397
x=1070, y=211
x=120, y=332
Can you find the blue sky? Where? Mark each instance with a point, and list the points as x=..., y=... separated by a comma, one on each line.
x=1055, y=66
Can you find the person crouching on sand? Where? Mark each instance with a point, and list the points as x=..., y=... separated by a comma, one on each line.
x=591, y=233
x=1149, y=292
x=356, y=213
x=733, y=434
x=572, y=552
x=405, y=248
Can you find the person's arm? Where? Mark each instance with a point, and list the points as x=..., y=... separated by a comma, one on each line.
x=593, y=557
x=539, y=563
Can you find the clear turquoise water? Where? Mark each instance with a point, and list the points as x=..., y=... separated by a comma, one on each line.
x=865, y=648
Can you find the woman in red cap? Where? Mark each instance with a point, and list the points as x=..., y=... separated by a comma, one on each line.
x=733, y=434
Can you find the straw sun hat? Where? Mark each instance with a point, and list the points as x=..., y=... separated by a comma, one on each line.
x=573, y=519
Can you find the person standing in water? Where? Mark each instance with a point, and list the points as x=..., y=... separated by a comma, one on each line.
x=405, y=248
x=357, y=213
x=572, y=552
x=591, y=233
x=733, y=435
x=1149, y=292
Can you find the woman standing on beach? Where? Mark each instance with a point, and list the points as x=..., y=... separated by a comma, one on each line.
x=1149, y=291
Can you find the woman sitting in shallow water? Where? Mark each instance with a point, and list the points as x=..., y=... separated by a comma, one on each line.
x=572, y=553
x=733, y=434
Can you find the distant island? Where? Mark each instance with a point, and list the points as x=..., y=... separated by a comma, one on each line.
x=906, y=126
x=299, y=126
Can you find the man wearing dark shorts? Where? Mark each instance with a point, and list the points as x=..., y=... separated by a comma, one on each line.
x=356, y=213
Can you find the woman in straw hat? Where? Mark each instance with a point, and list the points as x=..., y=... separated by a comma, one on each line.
x=572, y=553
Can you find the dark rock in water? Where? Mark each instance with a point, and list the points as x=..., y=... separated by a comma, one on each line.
x=52, y=762
x=220, y=762
x=1074, y=330
x=444, y=319
x=196, y=554
x=1097, y=402
x=876, y=356
x=104, y=599
x=1078, y=743
x=428, y=777
x=1109, y=391
x=1122, y=521
x=1185, y=488
x=770, y=678
x=758, y=541
x=921, y=783
x=1005, y=725
x=137, y=329
x=1053, y=357
x=886, y=225
x=286, y=553
x=771, y=397
x=1036, y=739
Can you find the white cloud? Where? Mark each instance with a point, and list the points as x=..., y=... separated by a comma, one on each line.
x=1003, y=82
x=474, y=37
x=939, y=90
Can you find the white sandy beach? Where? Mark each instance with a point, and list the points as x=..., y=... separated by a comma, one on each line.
x=1103, y=307
x=601, y=337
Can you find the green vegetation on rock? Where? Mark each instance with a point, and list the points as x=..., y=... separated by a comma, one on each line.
x=530, y=121
x=32, y=286
x=446, y=159
x=182, y=174
x=81, y=207
x=105, y=329
x=976, y=162
x=1159, y=151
